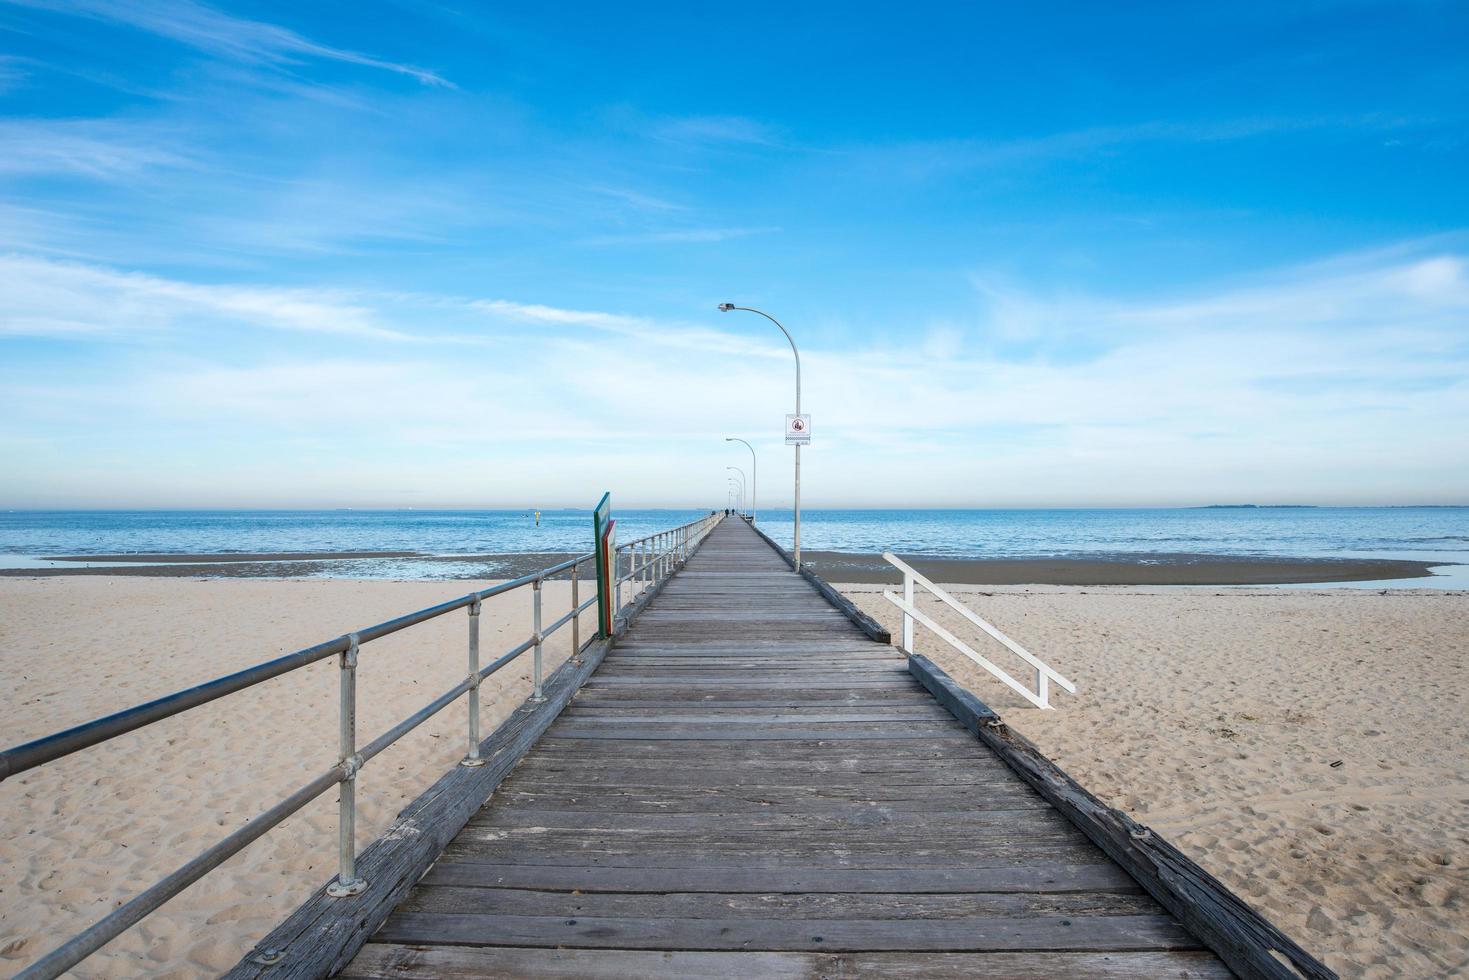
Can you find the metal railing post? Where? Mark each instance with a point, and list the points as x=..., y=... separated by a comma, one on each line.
x=536, y=695
x=617, y=585
x=576, y=614
x=347, y=882
x=907, y=619
x=472, y=759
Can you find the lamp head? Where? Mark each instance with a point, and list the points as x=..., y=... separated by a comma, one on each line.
x=726, y=307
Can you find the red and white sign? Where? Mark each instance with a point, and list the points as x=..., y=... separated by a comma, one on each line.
x=798, y=430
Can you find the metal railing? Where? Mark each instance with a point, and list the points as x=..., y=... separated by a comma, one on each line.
x=1044, y=675
x=649, y=559
x=659, y=555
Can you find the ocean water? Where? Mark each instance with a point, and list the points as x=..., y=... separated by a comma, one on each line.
x=1436, y=534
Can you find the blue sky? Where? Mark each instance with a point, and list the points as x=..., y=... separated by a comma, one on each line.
x=409, y=254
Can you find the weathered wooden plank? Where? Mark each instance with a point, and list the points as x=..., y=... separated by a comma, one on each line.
x=735, y=732
x=651, y=851
x=389, y=961
x=971, y=824
x=1081, y=932
x=995, y=794
x=762, y=800
x=1246, y=941
x=734, y=683
x=767, y=905
x=751, y=763
x=1036, y=876
x=748, y=716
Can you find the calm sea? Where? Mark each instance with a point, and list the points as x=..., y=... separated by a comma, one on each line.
x=1428, y=533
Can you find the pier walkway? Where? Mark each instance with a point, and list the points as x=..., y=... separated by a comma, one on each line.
x=750, y=785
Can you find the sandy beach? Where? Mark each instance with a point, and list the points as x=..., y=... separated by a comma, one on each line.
x=85, y=833
x=1306, y=747
x=1212, y=715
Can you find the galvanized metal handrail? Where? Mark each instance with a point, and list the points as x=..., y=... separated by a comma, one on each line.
x=673, y=547
x=1041, y=697
x=652, y=557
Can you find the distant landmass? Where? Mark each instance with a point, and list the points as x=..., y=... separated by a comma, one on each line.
x=1257, y=507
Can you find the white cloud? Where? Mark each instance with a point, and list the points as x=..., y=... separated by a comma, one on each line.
x=1277, y=389
x=47, y=298
x=236, y=38
x=710, y=130
x=688, y=236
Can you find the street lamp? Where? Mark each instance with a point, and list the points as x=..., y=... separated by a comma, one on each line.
x=727, y=307
x=742, y=482
x=736, y=495
x=754, y=477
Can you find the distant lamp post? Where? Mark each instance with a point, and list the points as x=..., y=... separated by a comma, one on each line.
x=742, y=484
x=727, y=307
x=754, y=477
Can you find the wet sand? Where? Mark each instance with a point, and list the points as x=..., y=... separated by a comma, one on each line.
x=280, y=565
x=1157, y=569
x=234, y=556
x=1130, y=569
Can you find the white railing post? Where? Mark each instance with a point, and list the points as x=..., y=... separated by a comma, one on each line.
x=347, y=882
x=1040, y=697
x=907, y=619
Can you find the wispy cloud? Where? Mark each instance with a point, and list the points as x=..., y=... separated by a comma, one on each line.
x=12, y=74
x=47, y=298
x=925, y=159
x=637, y=199
x=689, y=236
x=711, y=130
x=106, y=149
x=236, y=38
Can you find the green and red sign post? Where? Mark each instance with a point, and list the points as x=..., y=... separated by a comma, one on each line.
x=602, y=530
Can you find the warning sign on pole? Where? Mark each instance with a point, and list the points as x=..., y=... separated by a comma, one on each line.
x=798, y=430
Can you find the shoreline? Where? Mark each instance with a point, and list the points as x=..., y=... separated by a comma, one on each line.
x=1141, y=569
x=1132, y=569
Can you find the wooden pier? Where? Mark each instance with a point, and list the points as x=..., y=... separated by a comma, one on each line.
x=750, y=785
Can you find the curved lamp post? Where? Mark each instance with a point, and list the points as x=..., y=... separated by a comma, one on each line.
x=754, y=477
x=727, y=307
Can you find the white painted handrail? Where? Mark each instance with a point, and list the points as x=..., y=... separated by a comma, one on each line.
x=1040, y=697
